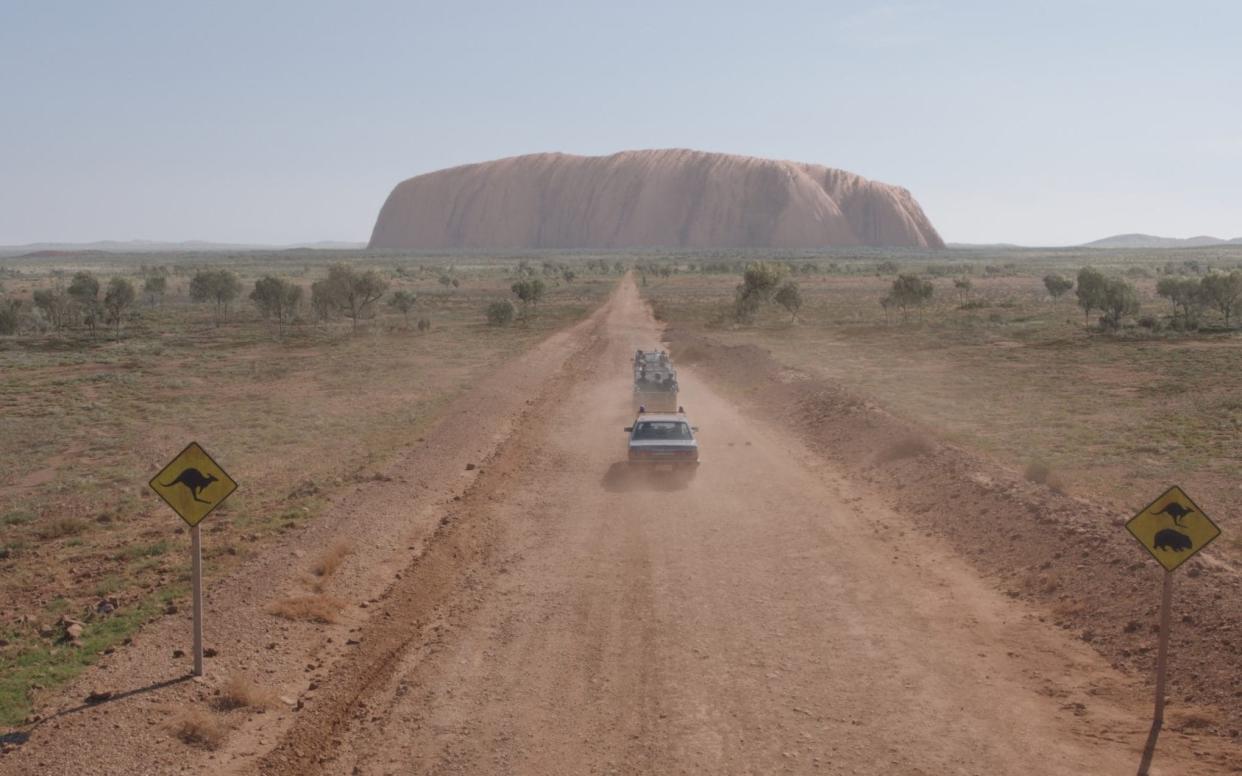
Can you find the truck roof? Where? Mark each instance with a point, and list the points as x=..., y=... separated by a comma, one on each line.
x=662, y=416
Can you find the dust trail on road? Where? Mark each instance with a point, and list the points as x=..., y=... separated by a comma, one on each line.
x=767, y=618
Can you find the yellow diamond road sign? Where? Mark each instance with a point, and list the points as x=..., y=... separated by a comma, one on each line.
x=1173, y=528
x=193, y=484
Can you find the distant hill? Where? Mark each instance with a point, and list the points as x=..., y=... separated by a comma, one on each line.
x=668, y=198
x=1152, y=241
x=46, y=250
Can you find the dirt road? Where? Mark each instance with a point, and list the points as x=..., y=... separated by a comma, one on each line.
x=768, y=618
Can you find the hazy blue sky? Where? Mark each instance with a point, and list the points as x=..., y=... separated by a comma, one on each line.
x=1049, y=123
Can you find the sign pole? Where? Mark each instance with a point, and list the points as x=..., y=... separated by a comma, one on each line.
x=1162, y=663
x=196, y=576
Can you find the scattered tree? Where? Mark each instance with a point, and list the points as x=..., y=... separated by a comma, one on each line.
x=55, y=305
x=1090, y=291
x=1184, y=293
x=322, y=303
x=963, y=286
x=1118, y=299
x=500, y=313
x=352, y=292
x=117, y=299
x=760, y=279
x=789, y=296
x=276, y=298
x=1057, y=285
x=215, y=285
x=10, y=310
x=84, y=290
x=403, y=302
x=529, y=291
x=154, y=287
x=910, y=291
x=1224, y=292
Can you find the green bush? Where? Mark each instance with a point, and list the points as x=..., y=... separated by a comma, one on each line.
x=500, y=313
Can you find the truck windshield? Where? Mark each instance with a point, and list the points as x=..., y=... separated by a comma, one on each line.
x=662, y=429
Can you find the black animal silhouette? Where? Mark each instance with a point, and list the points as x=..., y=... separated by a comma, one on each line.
x=194, y=480
x=1175, y=511
x=1174, y=541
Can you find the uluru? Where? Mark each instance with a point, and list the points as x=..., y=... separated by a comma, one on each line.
x=672, y=198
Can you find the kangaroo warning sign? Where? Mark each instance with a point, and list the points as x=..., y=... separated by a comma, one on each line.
x=193, y=484
x=1173, y=528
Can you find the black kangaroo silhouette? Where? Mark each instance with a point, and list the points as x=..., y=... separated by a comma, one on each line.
x=1176, y=511
x=194, y=480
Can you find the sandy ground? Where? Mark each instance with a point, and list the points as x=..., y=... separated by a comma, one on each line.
x=558, y=617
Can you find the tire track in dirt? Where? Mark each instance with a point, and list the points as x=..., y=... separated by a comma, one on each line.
x=444, y=581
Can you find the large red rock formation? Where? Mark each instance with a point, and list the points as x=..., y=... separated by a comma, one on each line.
x=648, y=199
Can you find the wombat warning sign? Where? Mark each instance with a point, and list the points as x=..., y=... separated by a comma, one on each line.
x=193, y=484
x=1172, y=528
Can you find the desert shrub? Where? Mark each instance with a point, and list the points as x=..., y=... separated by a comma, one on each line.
x=1041, y=473
x=154, y=287
x=331, y=558
x=500, y=313
x=215, y=285
x=276, y=298
x=963, y=286
x=1118, y=299
x=9, y=316
x=1090, y=291
x=60, y=527
x=760, y=280
x=197, y=727
x=1224, y=292
x=348, y=290
x=239, y=692
x=909, y=291
x=529, y=291
x=308, y=608
x=117, y=299
x=1185, y=294
x=1056, y=285
x=403, y=302
x=789, y=296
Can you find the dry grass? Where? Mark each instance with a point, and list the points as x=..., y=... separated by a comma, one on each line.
x=909, y=447
x=240, y=692
x=331, y=558
x=197, y=727
x=308, y=608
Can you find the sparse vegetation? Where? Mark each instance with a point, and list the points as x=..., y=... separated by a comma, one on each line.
x=500, y=313
x=118, y=298
x=276, y=298
x=789, y=296
x=331, y=558
x=84, y=419
x=1057, y=285
x=909, y=291
x=314, y=607
x=403, y=302
x=529, y=291
x=1090, y=291
x=241, y=692
x=219, y=286
x=197, y=727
